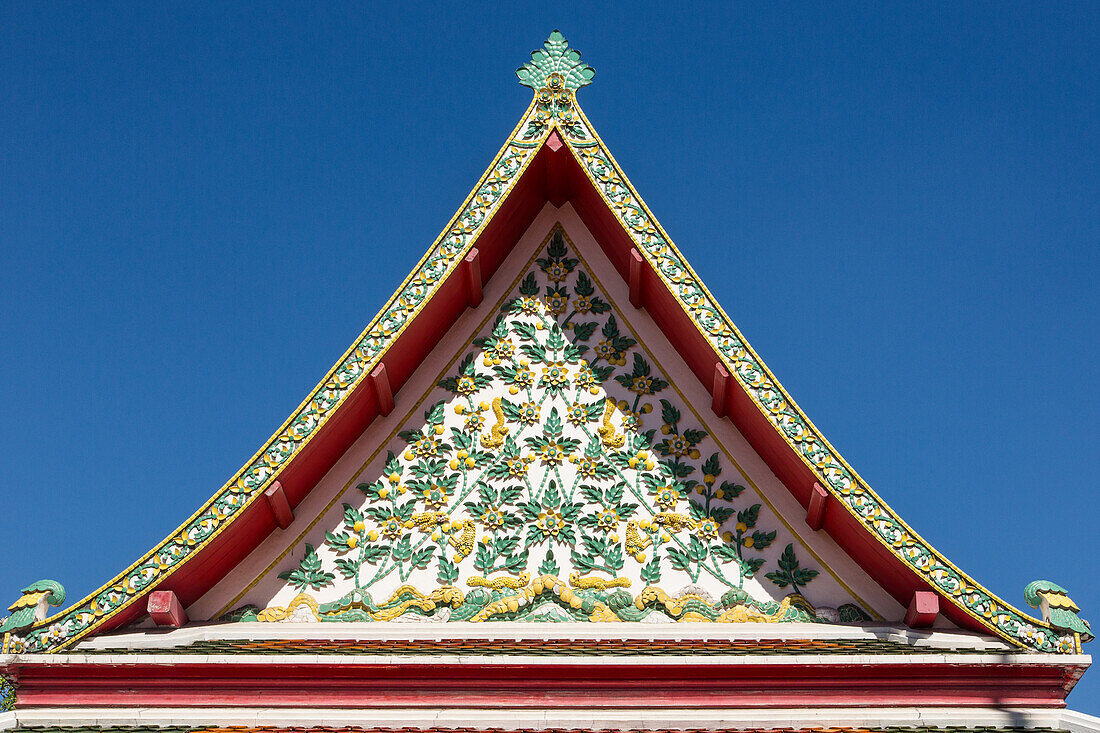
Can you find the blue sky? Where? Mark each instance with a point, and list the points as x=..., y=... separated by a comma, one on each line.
x=200, y=208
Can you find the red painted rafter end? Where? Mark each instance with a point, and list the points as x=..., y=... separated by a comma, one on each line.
x=471, y=266
x=381, y=381
x=819, y=502
x=637, y=265
x=923, y=610
x=280, y=506
x=719, y=390
x=165, y=609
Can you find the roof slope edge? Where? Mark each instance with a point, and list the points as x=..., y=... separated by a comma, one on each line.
x=791, y=423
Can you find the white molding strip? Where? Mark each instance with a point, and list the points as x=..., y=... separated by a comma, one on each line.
x=662, y=660
x=593, y=719
x=1076, y=722
x=389, y=631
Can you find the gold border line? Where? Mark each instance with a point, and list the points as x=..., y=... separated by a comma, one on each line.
x=966, y=582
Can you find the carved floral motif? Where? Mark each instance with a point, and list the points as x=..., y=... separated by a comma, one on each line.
x=560, y=448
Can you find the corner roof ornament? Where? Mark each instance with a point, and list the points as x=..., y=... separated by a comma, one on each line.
x=555, y=69
x=1058, y=609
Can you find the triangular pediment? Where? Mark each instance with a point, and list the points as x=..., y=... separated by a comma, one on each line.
x=558, y=468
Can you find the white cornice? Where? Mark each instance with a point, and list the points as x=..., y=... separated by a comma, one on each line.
x=593, y=719
x=374, y=631
x=504, y=660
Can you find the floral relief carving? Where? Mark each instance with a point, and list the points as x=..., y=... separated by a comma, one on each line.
x=554, y=448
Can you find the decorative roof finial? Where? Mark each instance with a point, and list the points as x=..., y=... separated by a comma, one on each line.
x=555, y=69
x=1058, y=609
x=32, y=605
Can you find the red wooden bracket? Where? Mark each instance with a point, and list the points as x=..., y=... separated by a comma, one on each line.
x=635, y=281
x=819, y=502
x=719, y=390
x=381, y=382
x=165, y=609
x=923, y=610
x=471, y=266
x=280, y=507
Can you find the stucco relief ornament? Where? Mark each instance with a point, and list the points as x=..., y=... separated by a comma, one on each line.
x=1059, y=610
x=527, y=480
x=32, y=607
x=555, y=72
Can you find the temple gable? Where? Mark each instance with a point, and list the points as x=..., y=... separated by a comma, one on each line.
x=555, y=471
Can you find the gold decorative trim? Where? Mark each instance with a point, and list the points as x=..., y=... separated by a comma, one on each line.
x=512, y=595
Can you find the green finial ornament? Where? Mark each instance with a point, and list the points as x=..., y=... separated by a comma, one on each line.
x=1058, y=609
x=555, y=68
x=555, y=72
x=32, y=605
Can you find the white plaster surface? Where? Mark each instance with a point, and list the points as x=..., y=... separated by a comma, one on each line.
x=596, y=719
x=1076, y=722
x=663, y=660
x=519, y=631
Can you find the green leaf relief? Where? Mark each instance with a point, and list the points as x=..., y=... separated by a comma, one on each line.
x=789, y=573
x=549, y=566
x=521, y=453
x=308, y=574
